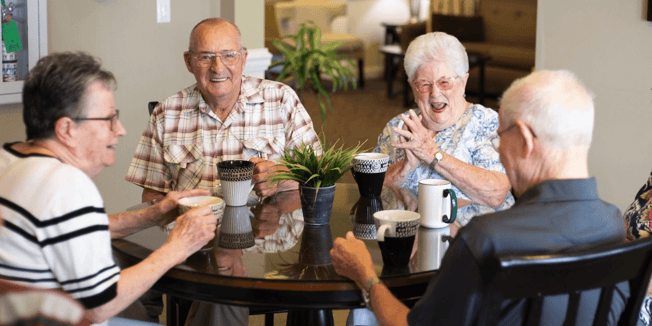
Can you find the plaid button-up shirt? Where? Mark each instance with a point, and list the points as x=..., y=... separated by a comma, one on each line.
x=185, y=140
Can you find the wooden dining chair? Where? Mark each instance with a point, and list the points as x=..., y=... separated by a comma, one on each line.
x=532, y=277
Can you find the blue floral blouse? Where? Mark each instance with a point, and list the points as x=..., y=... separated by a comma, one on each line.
x=468, y=140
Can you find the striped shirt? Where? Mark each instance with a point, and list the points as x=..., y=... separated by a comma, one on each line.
x=185, y=140
x=22, y=306
x=56, y=233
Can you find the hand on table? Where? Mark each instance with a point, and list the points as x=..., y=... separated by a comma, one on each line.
x=193, y=230
x=351, y=258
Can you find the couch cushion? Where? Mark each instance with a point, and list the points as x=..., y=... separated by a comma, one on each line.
x=510, y=22
x=514, y=57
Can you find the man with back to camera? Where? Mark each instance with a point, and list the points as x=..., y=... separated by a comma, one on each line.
x=546, y=126
x=56, y=232
x=224, y=116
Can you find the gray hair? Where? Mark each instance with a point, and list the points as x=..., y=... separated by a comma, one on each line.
x=555, y=105
x=212, y=21
x=56, y=87
x=428, y=47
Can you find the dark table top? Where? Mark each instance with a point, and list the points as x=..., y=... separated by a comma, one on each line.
x=289, y=264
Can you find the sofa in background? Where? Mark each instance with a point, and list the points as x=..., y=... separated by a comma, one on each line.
x=504, y=30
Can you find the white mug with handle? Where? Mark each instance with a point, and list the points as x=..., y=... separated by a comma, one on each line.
x=437, y=203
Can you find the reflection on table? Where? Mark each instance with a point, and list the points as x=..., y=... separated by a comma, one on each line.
x=289, y=264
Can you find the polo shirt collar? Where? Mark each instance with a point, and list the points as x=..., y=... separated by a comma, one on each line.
x=560, y=190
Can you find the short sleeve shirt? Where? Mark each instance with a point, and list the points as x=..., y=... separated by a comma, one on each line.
x=184, y=140
x=468, y=140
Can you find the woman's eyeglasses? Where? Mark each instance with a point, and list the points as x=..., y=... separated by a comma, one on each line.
x=443, y=83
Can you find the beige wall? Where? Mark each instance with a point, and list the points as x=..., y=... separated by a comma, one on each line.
x=146, y=58
x=607, y=43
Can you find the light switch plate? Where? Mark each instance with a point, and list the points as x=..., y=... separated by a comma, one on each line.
x=162, y=11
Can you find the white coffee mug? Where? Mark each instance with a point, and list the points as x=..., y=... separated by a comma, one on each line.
x=432, y=245
x=437, y=203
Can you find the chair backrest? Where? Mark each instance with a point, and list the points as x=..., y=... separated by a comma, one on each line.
x=409, y=32
x=151, y=106
x=532, y=277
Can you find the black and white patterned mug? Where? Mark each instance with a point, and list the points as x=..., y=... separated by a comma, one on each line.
x=235, y=177
x=369, y=172
x=396, y=230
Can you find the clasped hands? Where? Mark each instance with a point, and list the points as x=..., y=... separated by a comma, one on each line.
x=416, y=140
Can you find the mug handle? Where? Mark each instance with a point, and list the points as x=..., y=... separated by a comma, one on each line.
x=380, y=234
x=453, y=206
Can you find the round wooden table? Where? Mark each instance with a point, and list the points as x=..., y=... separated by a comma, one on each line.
x=289, y=267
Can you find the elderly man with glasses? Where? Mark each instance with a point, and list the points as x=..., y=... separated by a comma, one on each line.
x=224, y=116
x=546, y=126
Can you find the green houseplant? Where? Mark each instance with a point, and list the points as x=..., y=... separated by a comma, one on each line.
x=306, y=59
x=316, y=176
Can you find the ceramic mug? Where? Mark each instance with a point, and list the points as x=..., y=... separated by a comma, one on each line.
x=235, y=177
x=369, y=172
x=185, y=204
x=396, y=232
x=437, y=203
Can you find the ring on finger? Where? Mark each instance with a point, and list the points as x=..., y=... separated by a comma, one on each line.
x=412, y=138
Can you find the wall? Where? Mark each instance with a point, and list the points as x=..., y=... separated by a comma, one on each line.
x=146, y=58
x=607, y=43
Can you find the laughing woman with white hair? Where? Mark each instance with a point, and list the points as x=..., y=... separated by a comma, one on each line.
x=446, y=137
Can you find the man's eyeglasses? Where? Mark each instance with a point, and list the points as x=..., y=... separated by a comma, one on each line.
x=113, y=118
x=207, y=59
x=495, y=142
x=443, y=83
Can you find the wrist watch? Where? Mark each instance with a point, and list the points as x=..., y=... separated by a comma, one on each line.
x=438, y=157
x=366, y=290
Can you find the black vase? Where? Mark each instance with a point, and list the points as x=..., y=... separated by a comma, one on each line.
x=317, y=205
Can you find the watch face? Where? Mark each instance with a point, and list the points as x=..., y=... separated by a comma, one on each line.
x=439, y=156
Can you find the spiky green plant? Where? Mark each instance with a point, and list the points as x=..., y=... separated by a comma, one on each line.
x=308, y=59
x=305, y=167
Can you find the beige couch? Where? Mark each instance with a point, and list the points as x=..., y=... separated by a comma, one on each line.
x=505, y=30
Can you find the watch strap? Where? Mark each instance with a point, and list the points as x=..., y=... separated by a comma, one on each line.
x=366, y=290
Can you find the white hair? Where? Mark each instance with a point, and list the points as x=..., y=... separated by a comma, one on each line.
x=429, y=47
x=555, y=105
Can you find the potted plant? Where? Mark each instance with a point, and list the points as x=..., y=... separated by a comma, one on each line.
x=306, y=59
x=316, y=176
